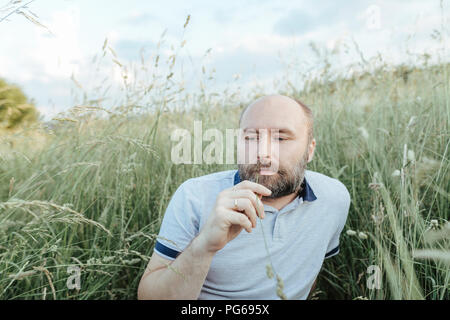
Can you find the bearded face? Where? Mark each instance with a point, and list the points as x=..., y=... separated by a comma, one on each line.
x=286, y=181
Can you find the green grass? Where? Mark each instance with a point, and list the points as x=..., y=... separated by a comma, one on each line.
x=92, y=192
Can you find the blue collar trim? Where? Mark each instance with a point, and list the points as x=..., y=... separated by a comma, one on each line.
x=307, y=193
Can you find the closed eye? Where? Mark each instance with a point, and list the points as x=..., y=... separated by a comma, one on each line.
x=253, y=138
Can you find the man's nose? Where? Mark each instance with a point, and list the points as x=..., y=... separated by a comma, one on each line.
x=264, y=150
x=264, y=161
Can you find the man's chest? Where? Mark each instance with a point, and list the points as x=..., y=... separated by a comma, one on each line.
x=294, y=246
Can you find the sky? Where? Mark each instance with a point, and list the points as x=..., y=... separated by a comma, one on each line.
x=250, y=41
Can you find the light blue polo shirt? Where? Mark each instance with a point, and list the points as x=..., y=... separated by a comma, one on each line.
x=299, y=236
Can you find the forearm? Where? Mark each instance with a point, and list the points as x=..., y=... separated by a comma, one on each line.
x=312, y=289
x=183, y=279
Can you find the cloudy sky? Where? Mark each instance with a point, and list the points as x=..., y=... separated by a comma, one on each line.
x=252, y=38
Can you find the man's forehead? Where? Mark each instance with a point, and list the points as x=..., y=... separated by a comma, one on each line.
x=276, y=112
x=289, y=123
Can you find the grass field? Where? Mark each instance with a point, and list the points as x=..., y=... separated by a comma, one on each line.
x=91, y=191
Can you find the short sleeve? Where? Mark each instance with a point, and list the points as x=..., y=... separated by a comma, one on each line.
x=343, y=208
x=180, y=222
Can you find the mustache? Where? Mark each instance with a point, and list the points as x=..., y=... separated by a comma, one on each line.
x=260, y=165
x=255, y=168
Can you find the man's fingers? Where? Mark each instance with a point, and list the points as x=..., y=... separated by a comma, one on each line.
x=239, y=219
x=255, y=187
x=252, y=197
x=244, y=204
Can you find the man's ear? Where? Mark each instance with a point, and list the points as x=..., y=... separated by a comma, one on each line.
x=311, y=149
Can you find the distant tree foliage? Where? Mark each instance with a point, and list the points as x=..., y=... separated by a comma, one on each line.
x=15, y=109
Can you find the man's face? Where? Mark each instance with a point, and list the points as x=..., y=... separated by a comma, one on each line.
x=274, y=139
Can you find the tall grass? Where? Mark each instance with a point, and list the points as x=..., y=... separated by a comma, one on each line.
x=91, y=190
x=386, y=137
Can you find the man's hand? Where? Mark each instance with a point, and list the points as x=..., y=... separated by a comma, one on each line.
x=235, y=209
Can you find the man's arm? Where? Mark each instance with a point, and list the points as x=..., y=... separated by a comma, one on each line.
x=312, y=289
x=234, y=211
x=182, y=278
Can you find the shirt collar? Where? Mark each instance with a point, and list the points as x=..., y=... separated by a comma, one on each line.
x=307, y=193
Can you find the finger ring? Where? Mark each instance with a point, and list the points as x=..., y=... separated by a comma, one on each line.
x=235, y=204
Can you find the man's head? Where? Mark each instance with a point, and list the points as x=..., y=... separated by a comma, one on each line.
x=277, y=136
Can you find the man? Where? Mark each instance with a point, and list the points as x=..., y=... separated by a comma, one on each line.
x=202, y=252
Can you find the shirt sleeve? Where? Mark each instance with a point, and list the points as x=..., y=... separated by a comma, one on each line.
x=180, y=222
x=343, y=207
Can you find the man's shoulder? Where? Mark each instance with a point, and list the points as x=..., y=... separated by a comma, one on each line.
x=326, y=187
x=210, y=181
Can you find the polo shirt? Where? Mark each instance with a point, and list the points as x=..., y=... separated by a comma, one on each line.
x=299, y=236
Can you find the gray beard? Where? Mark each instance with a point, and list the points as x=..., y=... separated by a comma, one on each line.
x=283, y=183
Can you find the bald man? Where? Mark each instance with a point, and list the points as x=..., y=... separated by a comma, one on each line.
x=292, y=217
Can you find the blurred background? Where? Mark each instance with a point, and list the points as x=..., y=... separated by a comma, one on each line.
x=245, y=42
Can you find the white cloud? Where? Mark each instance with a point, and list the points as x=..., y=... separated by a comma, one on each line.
x=43, y=56
x=60, y=54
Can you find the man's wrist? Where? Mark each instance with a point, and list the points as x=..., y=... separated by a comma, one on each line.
x=200, y=248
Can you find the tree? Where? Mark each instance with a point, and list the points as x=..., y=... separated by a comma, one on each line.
x=15, y=109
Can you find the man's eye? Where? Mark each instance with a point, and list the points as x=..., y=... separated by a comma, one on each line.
x=250, y=138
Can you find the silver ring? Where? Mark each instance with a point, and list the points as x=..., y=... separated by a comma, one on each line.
x=235, y=204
